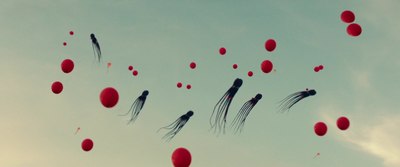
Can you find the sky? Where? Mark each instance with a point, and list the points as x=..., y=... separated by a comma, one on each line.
x=160, y=39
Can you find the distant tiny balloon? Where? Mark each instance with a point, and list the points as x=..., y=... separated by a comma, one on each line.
x=57, y=87
x=65, y=43
x=354, y=29
x=316, y=69
x=135, y=72
x=87, y=144
x=235, y=66
x=250, y=73
x=266, y=66
x=188, y=86
x=222, y=51
x=320, y=67
x=109, y=65
x=130, y=68
x=109, y=97
x=270, y=45
x=71, y=33
x=192, y=65
x=347, y=16
x=320, y=128
x=67, y=65
x=179, y=85
x=343, y=123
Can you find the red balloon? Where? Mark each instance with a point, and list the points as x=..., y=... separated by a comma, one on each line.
x=320, y=128
x=135, y=72
x=347, y=16
x=130, y=68
x=320, y=67
x=270, y=45
x=181, y=157
x=87, y=144
x=192, y=65
x=71, y=33
x=65, y=43
x=343, y=123
x=188, y=86
x=316, y=69
x=109, y=97
x=235, y=66
x=222, y=51
x=67, y=65
x=57, y=87
x=179, y=85
x=354, y=29
x=266, y=66
x=250, y=73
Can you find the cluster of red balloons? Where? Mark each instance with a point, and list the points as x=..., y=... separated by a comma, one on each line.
x=179, y=85
x=342, y=123
x=134, y=72
x=181, y=157
x=353, y=29
x=318, y=68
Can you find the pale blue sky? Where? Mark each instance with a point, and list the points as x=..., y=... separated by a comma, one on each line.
x=160, y=39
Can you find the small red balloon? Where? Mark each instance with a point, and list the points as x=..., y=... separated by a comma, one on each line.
x=109, y=97
x=266, y=66
x=67, y=65
x=320, y=67
x=71, y=33
x=57, y=87
x=235, y=66
x=270, y=45
x=192, y=65
x=65, y=43
x=250, y=73
x=181, y=157
x=222, y=51
x=347, y=16
x=179, y=85
x=87, y=144
x=188, y=86
x=130, y=68
x=135, y=72
x=316, y=69
x=354, y=29
x=320, y=128
x=343, y=123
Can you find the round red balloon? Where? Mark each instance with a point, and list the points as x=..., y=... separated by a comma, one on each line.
x=316, y=69
x=57, y=87
x=270, y=45
x=192, y=65
x=109, y=97
x=343, y=123
x=266, y=66
x=65, y=43
x=179, y=85
x=135, y=72
x=347, y=16
x=235, y=66
x=181, y=157
x=320, y=128
x=354, y=29
x=222, y=51
x=320, y=67
x=87, y=144
x=67, y=65
x=130, y=68
x=188, y=86
x=250, y=73
x=71, y=33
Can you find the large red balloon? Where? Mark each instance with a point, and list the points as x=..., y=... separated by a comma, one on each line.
x=57, y=87
x=222, y=51
x=270, y=45
x=354, y=29
x=109, y=97
x=343, y=123
x=87, y=144
x=320, y=128
x=347, y=16
x=266, y=66
x=181, y=157
x=67, y=65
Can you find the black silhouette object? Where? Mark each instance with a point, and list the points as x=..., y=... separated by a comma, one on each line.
x=176, y=126
x=240, y=118
x=96, y=47
x=292, y=99
x=222, y=107
x=137, y=106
